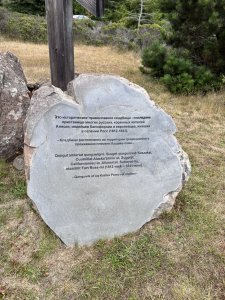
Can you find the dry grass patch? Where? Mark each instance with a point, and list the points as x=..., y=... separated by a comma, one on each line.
x=180, y=256
x=34, y=59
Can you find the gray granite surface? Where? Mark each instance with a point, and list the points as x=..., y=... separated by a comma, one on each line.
x=101, y=160
x=14, y=102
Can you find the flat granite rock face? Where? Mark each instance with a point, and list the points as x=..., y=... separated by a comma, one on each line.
x=14, y=102
x=101, y=161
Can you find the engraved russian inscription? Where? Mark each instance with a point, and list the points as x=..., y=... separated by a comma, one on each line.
x=98, y=162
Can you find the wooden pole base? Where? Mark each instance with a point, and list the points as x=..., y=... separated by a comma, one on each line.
x=59, y=14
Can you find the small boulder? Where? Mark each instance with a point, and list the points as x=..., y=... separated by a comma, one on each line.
x=14, y=102
x=18, y=163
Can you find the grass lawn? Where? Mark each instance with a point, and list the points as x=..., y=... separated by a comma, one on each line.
x=179, y=256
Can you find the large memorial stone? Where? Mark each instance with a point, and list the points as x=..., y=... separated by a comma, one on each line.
x=101, y=161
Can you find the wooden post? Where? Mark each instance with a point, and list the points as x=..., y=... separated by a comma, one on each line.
x=59, y=14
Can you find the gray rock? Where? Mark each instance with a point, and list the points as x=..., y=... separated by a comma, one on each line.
x=18, y=163
x=14, y=102
x=102, y=160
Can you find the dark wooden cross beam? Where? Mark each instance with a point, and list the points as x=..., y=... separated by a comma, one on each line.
x=95, y=7
x=59, y=14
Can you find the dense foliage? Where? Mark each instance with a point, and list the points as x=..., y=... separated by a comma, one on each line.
x=33, y=7
x=23, y=26
x=196, y=60
x=36, y=7
x=178, y=72
x=126, y=12
x=33, y=28
x=199, y=27
x=193, y=57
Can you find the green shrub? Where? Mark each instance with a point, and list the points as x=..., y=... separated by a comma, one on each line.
x=183, y=83
x=33, y=7
x=112, y=27
x=199, y=27
x=177, y=71
x=82, y=29
x=28, y=28
x=4, y=16
x=23, y=27
x=175, y=65
x=206, y=80
x=33, y=28
x=154, y=57
x=148, y=34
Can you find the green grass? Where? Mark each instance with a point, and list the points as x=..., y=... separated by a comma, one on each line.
x=47, y=245
x=3, y=169
x=123, y=263
x=19, y=189
x=3, y=174
x=12, y=183
x=180, y=256
x=3, y=217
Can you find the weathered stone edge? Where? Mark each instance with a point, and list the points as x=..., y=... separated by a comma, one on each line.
x=170, y=198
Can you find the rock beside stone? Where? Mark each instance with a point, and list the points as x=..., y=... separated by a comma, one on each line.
x=14, y=102
x=18, y=163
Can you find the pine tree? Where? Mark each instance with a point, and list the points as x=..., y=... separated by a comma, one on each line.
x=199, y=27
x=131, y=13
x=34, y=7
x=78, y=9
x=37, y=7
